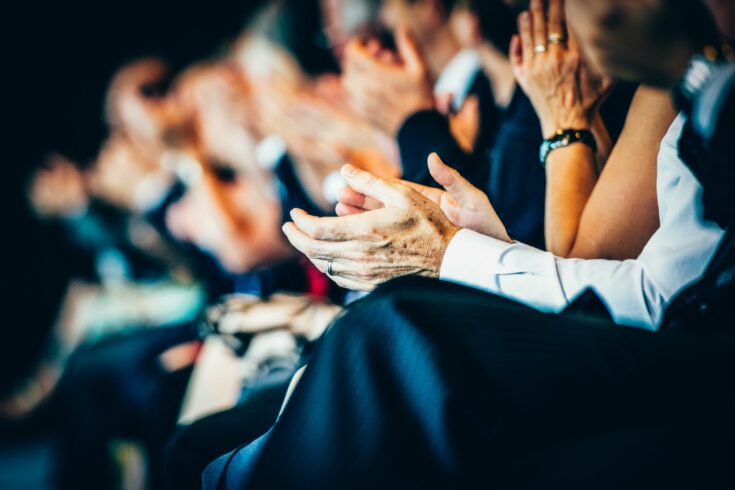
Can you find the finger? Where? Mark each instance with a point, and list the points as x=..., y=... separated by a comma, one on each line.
x=431, y=193
x=344, y=273
x=373, y=47
x=347, y=269
x=359, y=57
x=408, y=50
x=524, y=30
x=516, y=52
x=353, y=198
x=556, y=19
x=538, y=20
x=315, y=249
x=456, y=185
x=443, y=103
x=343, y=210
x=371, y=186
x=328, y=229
x=356, y=45
x=572, y=44
x=353, y=285
x=388, y=57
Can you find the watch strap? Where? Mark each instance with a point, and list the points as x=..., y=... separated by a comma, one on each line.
x=564, y=138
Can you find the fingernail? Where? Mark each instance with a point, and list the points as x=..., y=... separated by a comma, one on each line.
x=349, y=170
x=294, y=213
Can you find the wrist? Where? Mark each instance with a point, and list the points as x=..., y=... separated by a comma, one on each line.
x=551, y=127
x=437, y=258
x=564, y=139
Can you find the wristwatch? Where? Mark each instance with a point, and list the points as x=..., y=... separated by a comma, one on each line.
x=566, y=137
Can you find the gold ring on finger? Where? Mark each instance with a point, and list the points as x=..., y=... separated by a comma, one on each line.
x=556, y=38
x=539, y=48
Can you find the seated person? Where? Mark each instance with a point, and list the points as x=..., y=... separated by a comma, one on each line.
x=432, y=245
x=503, y=161
x=431, y=385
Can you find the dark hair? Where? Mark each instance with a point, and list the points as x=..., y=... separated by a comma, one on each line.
x=497, y=21
x=297, y=26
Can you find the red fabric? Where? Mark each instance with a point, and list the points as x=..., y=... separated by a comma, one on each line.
x=318, y=283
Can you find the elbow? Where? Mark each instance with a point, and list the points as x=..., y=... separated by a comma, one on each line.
x=562, y=247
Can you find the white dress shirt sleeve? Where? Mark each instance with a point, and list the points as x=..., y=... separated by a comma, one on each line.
x=636, y=292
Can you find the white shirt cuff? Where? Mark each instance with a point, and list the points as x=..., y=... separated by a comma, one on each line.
x=512, y=270
x=472, y=259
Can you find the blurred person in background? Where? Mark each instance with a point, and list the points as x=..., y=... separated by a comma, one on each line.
x=665, y=273
x=531, y=407
x=477, y=117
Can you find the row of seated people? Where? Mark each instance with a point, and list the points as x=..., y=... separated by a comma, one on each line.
x=489, y=145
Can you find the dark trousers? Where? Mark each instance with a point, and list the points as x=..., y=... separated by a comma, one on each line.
x=426, y=385
x=117, y=389
x=192, y=448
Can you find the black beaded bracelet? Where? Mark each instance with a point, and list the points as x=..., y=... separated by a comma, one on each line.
x=566, y=137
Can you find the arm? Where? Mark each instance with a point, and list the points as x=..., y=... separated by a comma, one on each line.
x=636, y=292
x=612, y=216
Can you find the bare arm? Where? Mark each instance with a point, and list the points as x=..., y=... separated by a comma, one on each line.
x=613, y=216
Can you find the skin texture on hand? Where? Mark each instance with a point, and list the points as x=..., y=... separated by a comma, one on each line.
x=465, y=205
x=386, y=88
x=407, y=235
x=562, y=86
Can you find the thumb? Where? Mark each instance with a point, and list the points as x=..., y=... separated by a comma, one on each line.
x=388, y=193
x=516, y=52
x=444, y=103
x=409, y=51
x=456, y=185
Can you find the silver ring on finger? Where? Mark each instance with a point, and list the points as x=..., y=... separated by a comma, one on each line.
x=539, y=48
x=556, y=38
x=330, y=271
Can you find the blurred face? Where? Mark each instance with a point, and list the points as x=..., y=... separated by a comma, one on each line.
x=229, y=215
x=216, y=99
x=633, y=39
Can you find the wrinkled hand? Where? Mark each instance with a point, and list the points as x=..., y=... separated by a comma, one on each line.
x=465, y=205
x=565, y=91
x=407, y=236
x=385, y=89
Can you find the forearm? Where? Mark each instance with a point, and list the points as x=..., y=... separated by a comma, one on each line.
x=571, y=175
x=635, y=292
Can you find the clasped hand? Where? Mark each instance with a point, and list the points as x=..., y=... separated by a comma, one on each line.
x=391, y=228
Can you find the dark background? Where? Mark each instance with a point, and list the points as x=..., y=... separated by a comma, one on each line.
x=63, y=54
x=57, y=59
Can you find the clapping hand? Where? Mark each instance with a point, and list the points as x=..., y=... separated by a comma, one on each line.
x=465, y=205
x=548, y=64
x=407, y=235
x=384, y=87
